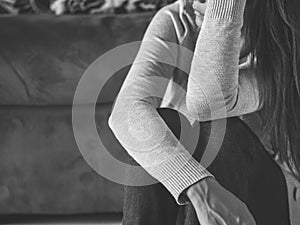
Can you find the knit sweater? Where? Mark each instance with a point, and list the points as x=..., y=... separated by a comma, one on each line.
x=213, y=85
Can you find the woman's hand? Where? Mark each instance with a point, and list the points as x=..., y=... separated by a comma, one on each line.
x=215, y=205
x=199, y=8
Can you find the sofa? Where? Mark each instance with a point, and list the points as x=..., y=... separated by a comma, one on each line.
x=42, y=59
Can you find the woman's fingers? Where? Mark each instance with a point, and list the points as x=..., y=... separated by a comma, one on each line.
x=241, y=216
x=215, y=205
x=248, y=218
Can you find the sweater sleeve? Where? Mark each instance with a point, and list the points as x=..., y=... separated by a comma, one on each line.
x=135, y=121
x=218, y=87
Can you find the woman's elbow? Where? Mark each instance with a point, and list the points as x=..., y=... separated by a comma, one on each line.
x=198, y=108
x=210, y=108
x=112, y=121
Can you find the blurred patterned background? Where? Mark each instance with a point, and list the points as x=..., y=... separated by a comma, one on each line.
x=59, y=7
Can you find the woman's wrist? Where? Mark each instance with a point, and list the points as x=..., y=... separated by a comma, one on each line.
x=226, y=9
x=199, y=189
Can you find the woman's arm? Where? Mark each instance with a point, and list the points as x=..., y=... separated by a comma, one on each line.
x=219, y=86
x=135, y=120
x=216, y=83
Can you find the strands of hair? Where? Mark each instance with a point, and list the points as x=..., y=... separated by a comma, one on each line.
x=274, y=39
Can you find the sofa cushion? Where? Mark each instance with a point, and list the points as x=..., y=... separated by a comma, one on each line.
x=42, y=170
x=42, y=58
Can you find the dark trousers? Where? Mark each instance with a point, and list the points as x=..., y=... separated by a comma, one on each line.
x=242, y=166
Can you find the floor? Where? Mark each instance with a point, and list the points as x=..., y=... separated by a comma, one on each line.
x=72, y=223
x=91, y=219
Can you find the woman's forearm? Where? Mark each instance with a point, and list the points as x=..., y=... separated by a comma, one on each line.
x=213, y=80
x=135, y=121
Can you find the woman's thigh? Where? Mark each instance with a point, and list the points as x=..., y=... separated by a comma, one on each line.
x=241, y=165
x=148, y=205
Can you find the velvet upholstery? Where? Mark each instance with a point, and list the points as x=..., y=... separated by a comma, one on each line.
x=42, y=59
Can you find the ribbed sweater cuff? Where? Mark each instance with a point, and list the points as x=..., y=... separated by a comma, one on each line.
x=225, y=9
x=179, y=173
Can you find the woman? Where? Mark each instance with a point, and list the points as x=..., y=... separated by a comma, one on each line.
x=246, y=60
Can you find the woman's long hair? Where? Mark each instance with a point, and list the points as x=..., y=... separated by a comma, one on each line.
x=272, y=31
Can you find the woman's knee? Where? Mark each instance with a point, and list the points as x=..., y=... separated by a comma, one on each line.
x=172, y=118
x=234, y=129
x=231, y=134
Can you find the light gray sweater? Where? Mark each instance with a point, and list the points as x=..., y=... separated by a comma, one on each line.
x=214, y=81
